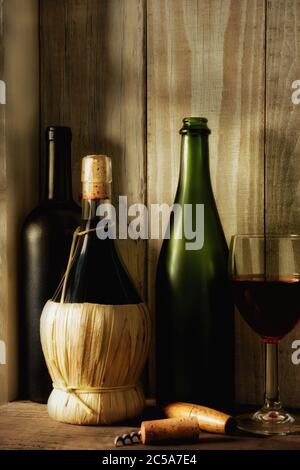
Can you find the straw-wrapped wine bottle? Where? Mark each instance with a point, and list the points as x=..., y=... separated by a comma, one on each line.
x=95, y=337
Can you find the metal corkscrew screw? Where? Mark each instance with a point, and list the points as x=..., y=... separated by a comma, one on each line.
x=152, y=432
x=128, y=439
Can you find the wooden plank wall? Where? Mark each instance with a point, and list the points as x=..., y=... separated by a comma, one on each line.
x=93, y=80
x=19, y=125
x=3, y=276
x=113, y=69
x=207, y=59
x=283, y=150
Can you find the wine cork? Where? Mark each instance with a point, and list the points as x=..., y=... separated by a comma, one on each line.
x=96, y=177
x=208, y=419
x=162, y=430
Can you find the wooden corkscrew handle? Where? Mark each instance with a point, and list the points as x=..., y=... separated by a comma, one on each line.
x=208, y=419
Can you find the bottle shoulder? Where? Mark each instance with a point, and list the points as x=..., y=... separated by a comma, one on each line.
x=98, y=274
x=50, y=210
x=181, y=260
x=213, y=247
x=47, y=219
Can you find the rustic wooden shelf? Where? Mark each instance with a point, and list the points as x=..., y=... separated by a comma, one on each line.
x=26, y=425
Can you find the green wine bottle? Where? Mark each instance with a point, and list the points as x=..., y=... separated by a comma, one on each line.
x=194, y=322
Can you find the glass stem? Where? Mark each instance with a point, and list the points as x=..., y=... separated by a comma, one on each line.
x=272, y=400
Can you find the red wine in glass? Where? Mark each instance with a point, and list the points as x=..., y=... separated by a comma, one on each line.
x=269, y=304
x=265, y=275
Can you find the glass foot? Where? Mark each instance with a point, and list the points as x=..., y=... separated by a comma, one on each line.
x=269, y=422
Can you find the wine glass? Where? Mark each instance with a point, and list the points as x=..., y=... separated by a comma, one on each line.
x=265, y=276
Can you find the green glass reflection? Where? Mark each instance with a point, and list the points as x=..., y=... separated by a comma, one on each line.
x=194, y=308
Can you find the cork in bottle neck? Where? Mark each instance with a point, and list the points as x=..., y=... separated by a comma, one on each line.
x=96, y=177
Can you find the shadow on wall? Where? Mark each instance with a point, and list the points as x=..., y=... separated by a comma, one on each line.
x=87, y=71
x=19, y=159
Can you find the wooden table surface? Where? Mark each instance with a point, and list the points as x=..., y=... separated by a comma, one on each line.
x=26, y=425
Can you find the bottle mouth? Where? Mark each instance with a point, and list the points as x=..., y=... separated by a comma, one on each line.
x=58, y=133
x=195, y=125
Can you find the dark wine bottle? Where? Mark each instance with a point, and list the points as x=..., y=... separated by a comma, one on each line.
x=46, y=238
x=97, y=275
x=195, y=324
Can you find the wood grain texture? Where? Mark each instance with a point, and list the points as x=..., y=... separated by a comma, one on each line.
x=26, y=426
x=201, y=58
x=282, y=151
x=207, y=59
x=92, y=79
x=3, y=257
x=18, y=173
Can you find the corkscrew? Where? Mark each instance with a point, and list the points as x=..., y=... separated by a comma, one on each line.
x=128, y=439
x=184, y=422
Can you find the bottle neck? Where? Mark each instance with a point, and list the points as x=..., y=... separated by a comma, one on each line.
x=89, y=210
x=194, y=170
x=57, y=178
x=89, y=215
